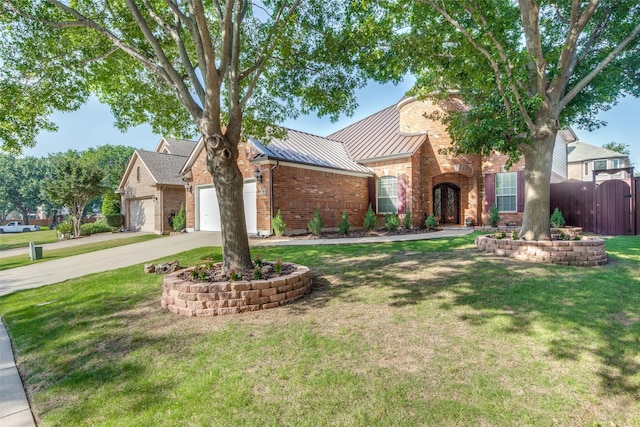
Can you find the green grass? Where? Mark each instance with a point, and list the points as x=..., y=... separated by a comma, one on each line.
x=51, y=254
x=21, y=240
x=412, y=333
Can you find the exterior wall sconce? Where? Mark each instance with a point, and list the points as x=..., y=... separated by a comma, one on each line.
x=257, y=175
x=456, y=167
x=187, y=186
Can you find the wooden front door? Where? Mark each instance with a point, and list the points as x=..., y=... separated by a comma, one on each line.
x=446, y=203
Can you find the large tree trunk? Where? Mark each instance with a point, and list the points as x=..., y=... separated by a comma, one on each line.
x=538, y=159
x=222, y=162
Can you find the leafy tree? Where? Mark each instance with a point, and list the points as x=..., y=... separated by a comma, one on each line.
x=222, y=69
x=21, y=187
x=524, y=68
x=74, y=182
x=113, y=159
x=618, y=147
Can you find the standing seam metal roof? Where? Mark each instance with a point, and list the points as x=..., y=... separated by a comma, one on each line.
x=304, y=148
x=378, y=136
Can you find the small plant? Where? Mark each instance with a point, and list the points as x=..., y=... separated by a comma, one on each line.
x=500, y=235
x=257, y=273
x=200, y=273
x=277, y=266
x=208, y=263
x=514, y=235
x=258, y=260
x=64, y=229
x=557, y=220
x=494, y=218
x=234, y=275
x=431, y=222
x=343, y=225
x=279, y=225
x=391, y=221
x=370, y=220
x=180, y=220
x=316, y=224
x=407, y=220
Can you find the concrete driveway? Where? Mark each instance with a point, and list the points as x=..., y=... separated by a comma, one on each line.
x=59, y=270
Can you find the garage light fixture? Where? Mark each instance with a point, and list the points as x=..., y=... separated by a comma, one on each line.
x=257, y=175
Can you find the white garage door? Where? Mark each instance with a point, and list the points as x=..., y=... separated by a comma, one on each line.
x=141, y=215
x=209, y=211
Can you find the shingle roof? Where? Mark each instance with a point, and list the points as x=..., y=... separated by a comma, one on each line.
x=304, y=148
x=579, y=151
x=179, y=147
x=377, y=136
x=165, y=168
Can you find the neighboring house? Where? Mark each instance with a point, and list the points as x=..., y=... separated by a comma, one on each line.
x=584, y=158
x=152, y=187
x=505, y=188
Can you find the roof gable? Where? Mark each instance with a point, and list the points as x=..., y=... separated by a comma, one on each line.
x=579, y=151
x=178, y=147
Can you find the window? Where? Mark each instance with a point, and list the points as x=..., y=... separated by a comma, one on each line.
x=388, y=194
x=599, y=164
x=615, y=164
x=586, y=168
x=138, y=174
x=506, y=191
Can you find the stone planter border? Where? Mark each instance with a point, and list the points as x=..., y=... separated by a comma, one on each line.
x=587, y=252
x=207, y=299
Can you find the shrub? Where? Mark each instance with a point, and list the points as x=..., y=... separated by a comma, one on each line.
x=115, y=220
x=258, y=261
x=100, y=226
x=407, y=220
x=234, y=275
x=391, y=221
x=277, y=266
x=279, y=225
x=65, y=228
x=431, y=222
x=557, y=220
x=494, y=218
x=316, y=224
x=111, y=204
x=343, y=225
x=180, y=220
x=370, y=220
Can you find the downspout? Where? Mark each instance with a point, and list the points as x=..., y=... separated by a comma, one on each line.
x=271, y=194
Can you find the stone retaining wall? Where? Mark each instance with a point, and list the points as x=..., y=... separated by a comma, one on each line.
x=207, y=299
x=585, y=252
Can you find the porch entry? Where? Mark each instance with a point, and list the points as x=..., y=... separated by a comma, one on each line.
x=446, y=203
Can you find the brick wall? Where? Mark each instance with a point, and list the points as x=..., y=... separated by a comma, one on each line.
x=139, y=185
x=493, y=164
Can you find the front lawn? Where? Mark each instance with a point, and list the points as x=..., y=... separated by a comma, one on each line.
x=412, y=333
x=21, y=240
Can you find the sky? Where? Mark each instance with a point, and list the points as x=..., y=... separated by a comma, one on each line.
x=92, y=125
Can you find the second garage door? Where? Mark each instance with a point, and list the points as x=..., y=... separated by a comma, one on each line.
x=209, y=211
x=141, y=215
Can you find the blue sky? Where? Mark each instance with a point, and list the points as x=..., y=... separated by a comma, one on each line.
x=92, y=125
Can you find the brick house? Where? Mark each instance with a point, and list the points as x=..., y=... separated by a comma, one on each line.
x=152, y=188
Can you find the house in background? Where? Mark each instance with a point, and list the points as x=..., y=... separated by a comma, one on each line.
x=585, y=158
x=152, y=188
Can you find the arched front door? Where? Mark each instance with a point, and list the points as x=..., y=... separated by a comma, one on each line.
x=446, y=203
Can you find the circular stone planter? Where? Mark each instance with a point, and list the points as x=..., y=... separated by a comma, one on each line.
x=587, y=252
x=206, y=299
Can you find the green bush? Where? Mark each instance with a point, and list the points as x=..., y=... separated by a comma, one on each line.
x=180, y=220
x=431, y=222
x=100, y=226
x=557, y=220
x=370, y=220
x=343, y=225
x=65, y=228
x=111, y=204
x=406, y=223
x=279, y=225
x=316, y=224
x=391, y=221
x=494, y=218
x=115, y=220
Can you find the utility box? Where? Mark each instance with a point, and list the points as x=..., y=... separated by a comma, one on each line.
x=35, y=252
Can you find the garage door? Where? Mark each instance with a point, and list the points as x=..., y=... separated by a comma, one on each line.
x=209, y=211
x=141, y=215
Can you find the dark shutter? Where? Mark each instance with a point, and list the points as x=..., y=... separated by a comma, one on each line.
x=402, y=194
x=520, y=191
x=489, y=191
x=372, y=192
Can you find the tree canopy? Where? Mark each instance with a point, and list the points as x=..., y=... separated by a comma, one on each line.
x=524, y=68
x=618, y=147
x=21, y=188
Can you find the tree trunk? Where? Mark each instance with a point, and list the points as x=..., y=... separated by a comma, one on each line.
x=222, y=162
x=538, y=159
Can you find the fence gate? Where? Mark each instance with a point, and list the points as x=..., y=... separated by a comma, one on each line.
x=613, y=208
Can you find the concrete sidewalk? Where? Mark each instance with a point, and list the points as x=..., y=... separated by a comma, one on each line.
x=14, y=406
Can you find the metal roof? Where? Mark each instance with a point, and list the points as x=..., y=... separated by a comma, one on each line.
x=579, y=151
x=378, y=136
x=165, y=168
x=313, y=150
